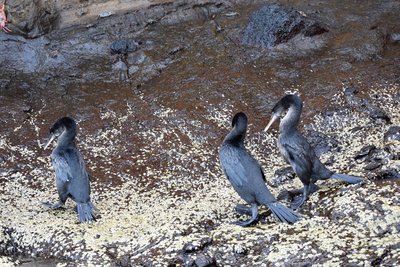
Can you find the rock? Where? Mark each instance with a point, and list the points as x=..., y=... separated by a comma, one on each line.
x=105, y=14
x=123, y=46
x=392, y=142
x=175, y=50
x=136, y=58
x=321, y=142
x=363, y=105
x=203, y=260
x=387, y=174
x=350, y=91
x=393, y=134
x=239, y=250
x=346, y=66
x=132, y=70
x=273, y=24
x=282, y=176
x=32, y=18
x=197, y=245
x=373, y=165
x=365, y=153
x=364, y=45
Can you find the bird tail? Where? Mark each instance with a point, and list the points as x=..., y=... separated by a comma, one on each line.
x=283, y=213
x=86, y=212
x=347, y=178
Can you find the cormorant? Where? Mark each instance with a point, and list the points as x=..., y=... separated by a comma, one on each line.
x=247, y=177
x=71, y=177
x=296, y=150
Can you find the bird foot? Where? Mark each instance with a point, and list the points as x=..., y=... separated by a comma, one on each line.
x=243, y=209
x=297, y=201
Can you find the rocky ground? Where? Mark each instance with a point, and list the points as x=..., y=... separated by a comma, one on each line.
x=153, y=87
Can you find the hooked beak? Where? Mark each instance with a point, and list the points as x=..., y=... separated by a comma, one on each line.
x=273, y=119
x=50, y=140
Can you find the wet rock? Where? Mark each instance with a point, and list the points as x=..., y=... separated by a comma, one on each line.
x=365, y=153
x=372, y=166
x=363, y=105
x=203, y=260
x=387, y=174
x=273, y=24
x=175, y=50
x=105, y=14
x=350, y=91
x=137, y=58
x=282, y=176
x=321, y=142
x=392, y=142
x=239, y=250
x=123, y=46
x=364, y=45
x=132, y=70
x=393, y=134
x=197, y=246
x=32, y=18
x=345, y=66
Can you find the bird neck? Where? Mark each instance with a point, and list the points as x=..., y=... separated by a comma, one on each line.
x=236, y=136
x=66, y=138
x=291, y=120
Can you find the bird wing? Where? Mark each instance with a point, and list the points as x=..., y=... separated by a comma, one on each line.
x=240, y=167
x=234, y=171
x=61, y=167
x=299, y=158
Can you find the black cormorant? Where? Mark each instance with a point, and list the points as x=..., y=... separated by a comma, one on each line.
x=296, y=150
x=247, y=177
x=71, y=177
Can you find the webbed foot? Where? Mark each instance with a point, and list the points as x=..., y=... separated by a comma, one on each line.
x=254, y=215
x=243, y=209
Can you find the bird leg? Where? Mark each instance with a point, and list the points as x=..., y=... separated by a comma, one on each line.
x=297, y=201
x=243, y=209
x=254, y=217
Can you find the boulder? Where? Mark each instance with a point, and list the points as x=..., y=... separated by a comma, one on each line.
x=273, y=24
x=32, y=18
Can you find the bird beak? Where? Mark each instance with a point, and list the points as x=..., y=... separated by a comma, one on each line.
x=273, y=119
x=50, y=140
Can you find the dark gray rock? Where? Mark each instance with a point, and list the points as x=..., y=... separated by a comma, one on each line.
x=365, y=45
x=365, y=153
x=273, y=24
x=203, y=260
x=282, y=176
x=364, y=105
x=32, y=18
x=137, y=58
x=387, y=174
x=393, y=134
x=197, y=246
x=321, y=142
x=373, y=166
x=123, y=46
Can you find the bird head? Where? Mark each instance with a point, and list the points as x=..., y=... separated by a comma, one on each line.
x=280, y=109
x=61, y=125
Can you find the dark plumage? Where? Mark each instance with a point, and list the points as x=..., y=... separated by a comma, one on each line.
x=246, y=175
x=71, y=177
x=296, y=150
